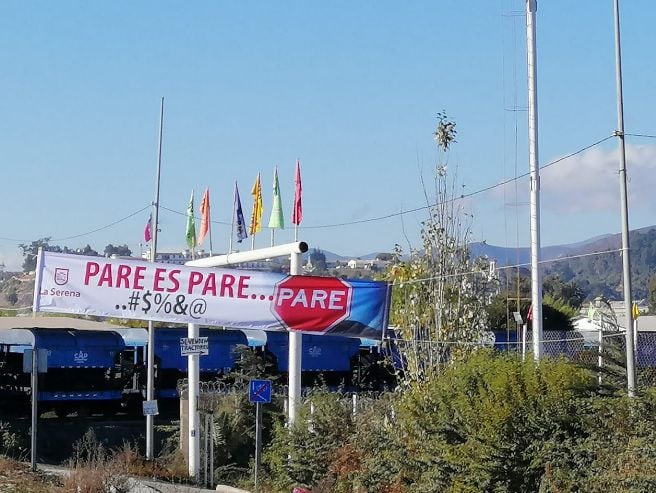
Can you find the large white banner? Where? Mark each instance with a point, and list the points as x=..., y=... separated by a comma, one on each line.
x=134, y=289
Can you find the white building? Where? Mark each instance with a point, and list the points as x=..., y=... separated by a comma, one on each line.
x=178, y=258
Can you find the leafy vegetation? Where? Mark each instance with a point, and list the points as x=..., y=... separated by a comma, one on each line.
x=489, y=422
x=30, y=251
x=602, y=274
x=440, y=292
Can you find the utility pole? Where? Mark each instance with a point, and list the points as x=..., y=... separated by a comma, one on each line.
x=626, y=257
x=536, y=277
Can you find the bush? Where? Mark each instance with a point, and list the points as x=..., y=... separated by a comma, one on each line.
x=11, y=444
x=487, y=423
x=301, y=455
x=93, y=468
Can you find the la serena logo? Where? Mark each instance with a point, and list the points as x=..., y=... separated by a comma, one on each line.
x=61, y=276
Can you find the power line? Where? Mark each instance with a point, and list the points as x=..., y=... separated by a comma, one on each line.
x=479, y=271
x=463, y=196
x=107, y=226
x=361, y=221
x=195, y=217
x=429, y=206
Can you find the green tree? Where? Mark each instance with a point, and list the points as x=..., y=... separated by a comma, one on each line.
x=12, y=295
x=119, y=250
x=318, y=261
x=652, y=294
x=556, y=314
x=440, y=291
x=30, y=251
x=570, y=293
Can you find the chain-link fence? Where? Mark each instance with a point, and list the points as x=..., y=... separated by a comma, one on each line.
x=600, y=348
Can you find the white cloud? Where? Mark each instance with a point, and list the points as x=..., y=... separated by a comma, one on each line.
x=589, y=182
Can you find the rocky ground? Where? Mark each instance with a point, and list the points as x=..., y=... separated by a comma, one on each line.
x=16, y=290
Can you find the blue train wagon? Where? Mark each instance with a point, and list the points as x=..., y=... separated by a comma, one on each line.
x=83, y=369
x=325, y=360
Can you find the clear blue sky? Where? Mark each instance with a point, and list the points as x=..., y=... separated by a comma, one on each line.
x=350, y=88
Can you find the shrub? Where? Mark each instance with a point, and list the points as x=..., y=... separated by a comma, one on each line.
x=302, y=454
x=11, y=444
x=93, y=468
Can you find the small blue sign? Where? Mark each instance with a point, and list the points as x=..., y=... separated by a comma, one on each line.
x=260, y=391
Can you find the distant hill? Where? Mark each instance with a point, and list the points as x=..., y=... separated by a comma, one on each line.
x=599, y=274
x=333, y=257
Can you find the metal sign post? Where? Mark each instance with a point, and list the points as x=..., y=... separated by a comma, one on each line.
x=35, y=414
x=259, y=392
x=35, y=361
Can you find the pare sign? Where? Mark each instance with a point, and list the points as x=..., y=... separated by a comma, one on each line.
x=312, y=304
x=132, y=289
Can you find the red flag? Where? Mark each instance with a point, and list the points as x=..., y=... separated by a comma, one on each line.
x=297, y=211
x=204, y=216
x=147, y=231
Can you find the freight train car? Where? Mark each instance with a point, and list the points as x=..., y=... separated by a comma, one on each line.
x=83, y=369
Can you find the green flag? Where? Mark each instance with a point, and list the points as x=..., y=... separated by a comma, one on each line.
x=276, y=220
x=191, y=224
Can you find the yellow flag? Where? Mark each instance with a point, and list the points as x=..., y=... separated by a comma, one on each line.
x=256, y=214
x=635, y=311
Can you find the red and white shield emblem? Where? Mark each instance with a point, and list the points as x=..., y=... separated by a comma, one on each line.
x=61, y=276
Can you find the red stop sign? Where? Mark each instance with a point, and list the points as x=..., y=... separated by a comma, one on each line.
x=311, y=304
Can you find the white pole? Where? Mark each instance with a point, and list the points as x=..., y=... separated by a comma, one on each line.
x=295, y=342
x=536, y=278
x=206, y=450
x=626, y=257
x=251, y=255
x=635, y=337
x=193, y=379
x=211, y=451
x=600, y=350
x=150, y=367
x=295, y=351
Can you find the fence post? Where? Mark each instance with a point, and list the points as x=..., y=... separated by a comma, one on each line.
x=311, y=421
x=600, y=359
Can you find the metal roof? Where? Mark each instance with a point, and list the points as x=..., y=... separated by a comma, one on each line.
x=28, y=322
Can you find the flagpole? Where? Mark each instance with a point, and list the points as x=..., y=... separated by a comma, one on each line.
x=150, y=371
x=209, y=226
x=297, y=210
x=232, y=223
x=534, y=171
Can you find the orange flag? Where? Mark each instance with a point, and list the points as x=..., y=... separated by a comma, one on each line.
x=204, y=216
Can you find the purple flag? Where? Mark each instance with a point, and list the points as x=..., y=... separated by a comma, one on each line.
x=238, y=218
